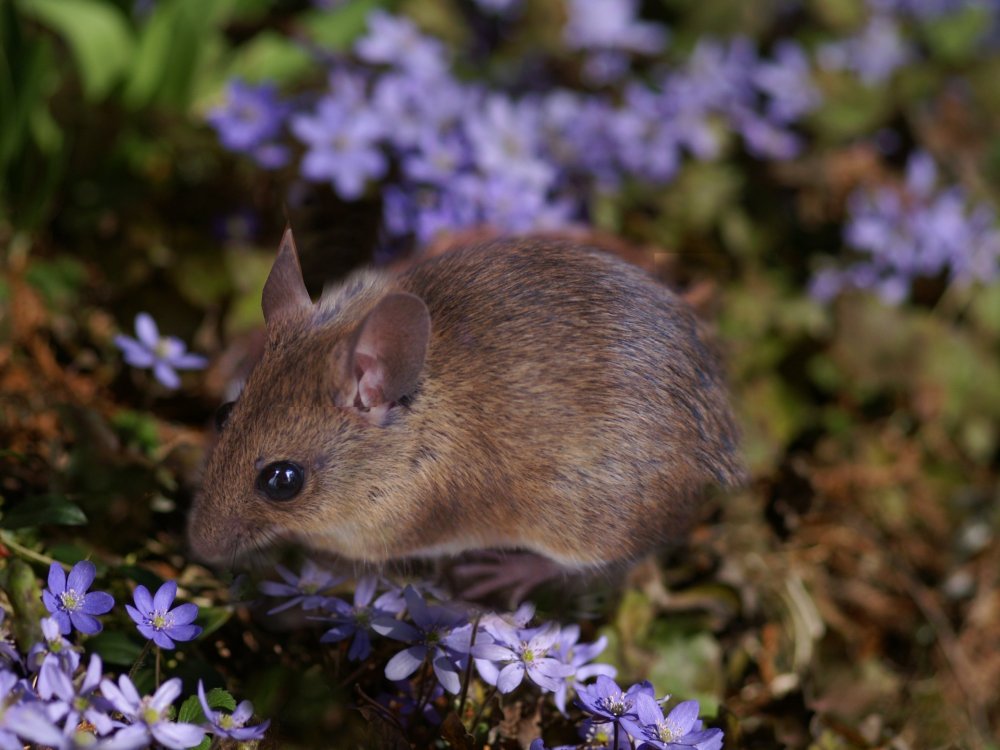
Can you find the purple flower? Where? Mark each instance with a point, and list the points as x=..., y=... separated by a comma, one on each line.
x=8, y=651
x=342, y=139
x=612, y=24
x=53, y=647
x=357, y=620
x=787, y=83
x=437, y=633
x=67, y=702
x=504, y=138
x=70, y=604
x=396, y=41
x=157, y=622
x=405, y=701
x=418, y=109
x=875, y=53
x=520, y=653
x=607, y=702
x=232, y=725
x=918, y=231
x=577, y=655
x=164, y=355
x=250, y=121
x=308, y=590
x=148, y=716
x=678, y=730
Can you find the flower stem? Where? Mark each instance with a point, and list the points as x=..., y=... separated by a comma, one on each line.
x=486, y=702
x=28, y=553
x=139, y=661
x=468, y=668
x=158, y=650
x=615, y=745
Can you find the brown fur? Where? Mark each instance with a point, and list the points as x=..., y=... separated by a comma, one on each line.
x=568, y=404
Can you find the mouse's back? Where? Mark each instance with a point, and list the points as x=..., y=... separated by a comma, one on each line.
x=583, y=387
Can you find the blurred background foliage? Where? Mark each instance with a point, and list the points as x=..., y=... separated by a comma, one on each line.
x=847, y=598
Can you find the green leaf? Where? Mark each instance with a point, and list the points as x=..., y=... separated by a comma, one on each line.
x=171, y=47
x=269, y=56
x=337, y=29
x=26, y=599
x=59, y=280
x=97, y=33
x=191, y=712
x=115, y=648
x=41, y=510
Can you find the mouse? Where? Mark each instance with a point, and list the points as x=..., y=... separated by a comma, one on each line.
x=517, y=394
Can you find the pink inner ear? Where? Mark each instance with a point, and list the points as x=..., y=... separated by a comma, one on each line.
x=389, y=353
x=371, y=380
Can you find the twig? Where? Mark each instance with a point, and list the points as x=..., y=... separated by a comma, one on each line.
x=29, y=554
x=468, y=667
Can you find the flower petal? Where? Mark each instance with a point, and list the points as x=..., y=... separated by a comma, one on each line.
x=682, y=717
x=398, y=630
x=361, y=646
x=364, y=591
x=510, y=677
x=97, y=603
x=81, y=576
x=166, y=694
x=447, y=673
x=143, y=601
x=492, y=652
x=177, y=736
x=57, y=579
x=185, y=614
x=162, y=640
x=185, y=632
x=405, y=663
x=85, y=623
x=165, y=596
x=146, y=330
x=166, y=375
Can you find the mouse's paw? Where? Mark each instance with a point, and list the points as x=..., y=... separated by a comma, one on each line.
x=493, y=573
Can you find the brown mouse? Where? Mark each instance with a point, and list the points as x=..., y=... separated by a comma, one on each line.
x=519, y=393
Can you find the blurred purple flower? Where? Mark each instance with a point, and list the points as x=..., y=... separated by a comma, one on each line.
x=919, y=231
x=52, y=647
x=67, y=701
x=612, y=24
x=396, y=41
x=148, y=716
x=404, y=702
x=8, y=650
x=308, y=590
x=678, y=730
x=251, y=120
x=165, y=355
x=504, y=137
x=157, y=621
x=499, y=6
x=342, y=139
x=70, y=604
x=232, y=726
x=874, y=53
x=437, y=633
x=786, y=80
x=356, y=620
x=420, y=109
x=520, y=653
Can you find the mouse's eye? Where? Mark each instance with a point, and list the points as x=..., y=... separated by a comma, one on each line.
x=281, y=480
x=222, y=414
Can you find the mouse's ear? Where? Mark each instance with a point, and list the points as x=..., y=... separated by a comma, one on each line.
x=389, y=351
x=284, y=290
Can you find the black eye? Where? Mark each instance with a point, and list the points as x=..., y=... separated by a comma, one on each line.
x=222, y=414
x=281, y=480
